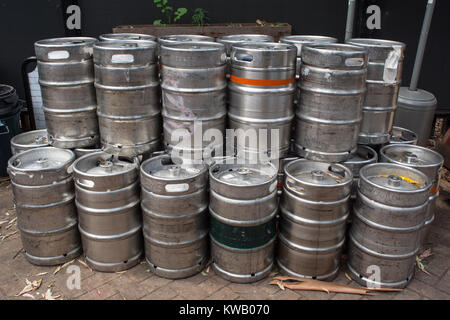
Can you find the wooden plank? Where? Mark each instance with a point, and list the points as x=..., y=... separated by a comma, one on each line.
x=213, y=30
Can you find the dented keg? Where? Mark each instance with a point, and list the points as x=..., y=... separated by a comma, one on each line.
x=314, y=209
x=403, y=136
x=328, y=114
x=384, y=72
x=66, y=76
x=425, y=160
x=389, y=213
x=126, y=81
x=174, y=206
x=193, y=96
x=261, y=93
x=301, y=40
x=29, y=140
x=243, y=205
x=107, y=198
x=126, y=36
x=42, y=186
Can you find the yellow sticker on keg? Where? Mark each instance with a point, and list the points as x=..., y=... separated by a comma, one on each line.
x=409, y=180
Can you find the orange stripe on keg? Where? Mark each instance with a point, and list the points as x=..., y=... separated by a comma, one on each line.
x=434, y=190
x=258, y=82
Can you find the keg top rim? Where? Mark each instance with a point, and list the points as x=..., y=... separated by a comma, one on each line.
x=356, y=157
x=177, y=171
x=317, y=176
x=127, y=36
x=119, y=166
x=399, y=133
x=421, y=157
x=376, y=43
x=185, y=38
x=6, y=90
x=335, y=47
x=384, y=174
x=36, y=134
x=199, y=46
x=307, y=39
x=245, y=37
x=65, y=42
x=230, y=164
x=125, y=45
x=265, y=47
x=51, y=153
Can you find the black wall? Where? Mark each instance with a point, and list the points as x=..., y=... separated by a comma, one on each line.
x=24, y=22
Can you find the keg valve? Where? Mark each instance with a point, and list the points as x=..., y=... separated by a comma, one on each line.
x=317, y=175
x=410, y=157
x=394, y=181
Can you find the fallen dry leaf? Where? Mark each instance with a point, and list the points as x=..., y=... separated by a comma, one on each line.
x=18, y=252
x=84, y=264
x=348, y=277
x=30, y=286
x=280, y=284
x=42, y=274
x=9, y=235
x=63, y=266
x=421, y=266
x=49, y=295
x=427, y=253
x=28, y=295
x=120, y=272
x=317, y=285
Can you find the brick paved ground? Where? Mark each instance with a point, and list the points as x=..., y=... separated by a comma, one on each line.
x=139, y=283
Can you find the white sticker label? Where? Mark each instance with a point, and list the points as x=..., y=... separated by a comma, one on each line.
x=58, y=55
x=122, y=58
x=391, y=65
x=180, y=187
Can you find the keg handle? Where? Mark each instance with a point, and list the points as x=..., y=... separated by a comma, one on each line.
x=292, y=186
x=123, y=58
x=86, y=183
x=58, y=55
x=243, y=57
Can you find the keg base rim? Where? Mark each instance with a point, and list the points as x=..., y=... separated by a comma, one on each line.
x=326, y=277
x=242, y=278
x=90, y=141
x=374, y=140
x=113, y=267
x=323, y=156
x=53, y=261
x=178, y=273
x=360, y=279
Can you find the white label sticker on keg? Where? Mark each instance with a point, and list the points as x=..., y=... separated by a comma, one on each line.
x=354, y=62
x=180, y=187
x=273, y=186
x=58, y=55
x=122, y=58
x=391, y=65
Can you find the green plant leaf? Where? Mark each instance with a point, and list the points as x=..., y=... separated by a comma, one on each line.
x=169, y=8
x=179, y=13
x=159, y=5
x=164, y=2
x=157, y=22
x=156, y=1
